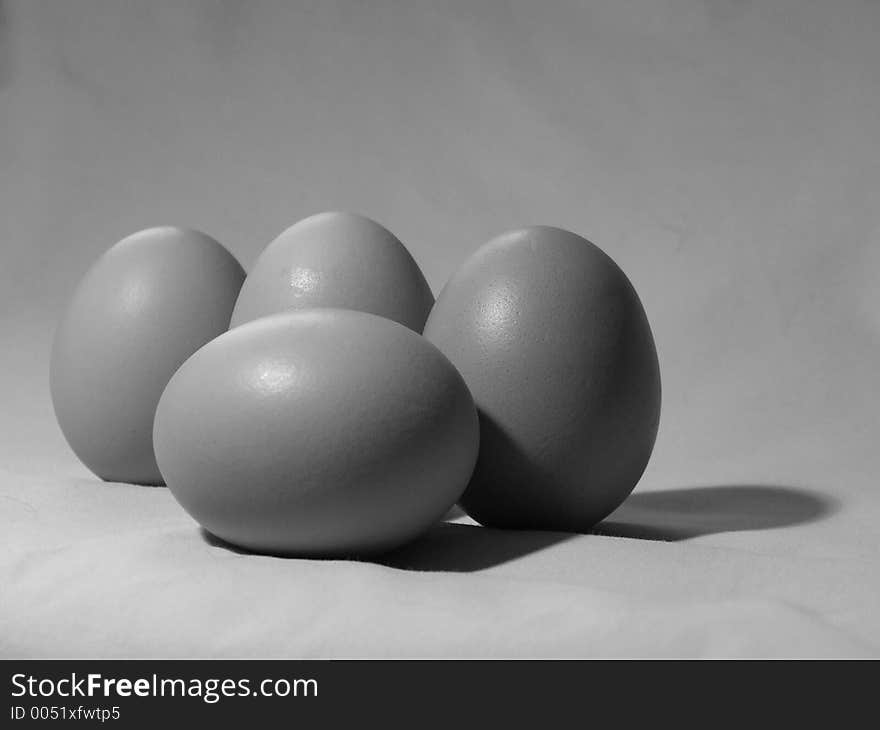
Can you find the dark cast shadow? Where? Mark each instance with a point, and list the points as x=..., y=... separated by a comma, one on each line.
x=667, y=515
x=445, y=547
x=679, y=514
x=219, y=542
x=92, y=481
x=467, y=548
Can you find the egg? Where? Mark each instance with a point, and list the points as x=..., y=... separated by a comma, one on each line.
x=337, y=260
x=143, y=308
x=555, y=346
x=322, y=432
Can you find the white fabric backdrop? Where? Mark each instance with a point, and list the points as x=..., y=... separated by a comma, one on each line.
x=725, y=153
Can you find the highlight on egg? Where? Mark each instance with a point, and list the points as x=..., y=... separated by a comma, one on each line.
x=144, y=307
x=340, y=260
x=555, y=346
x=322, y=432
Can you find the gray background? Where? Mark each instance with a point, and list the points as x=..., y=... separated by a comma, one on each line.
x=725, y=152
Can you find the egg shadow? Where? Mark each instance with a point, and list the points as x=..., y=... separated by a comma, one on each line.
x=458, y=548
x=96, y=480
x=680, y=514
x=219, y=542
x=664, y=515
x=444, y=547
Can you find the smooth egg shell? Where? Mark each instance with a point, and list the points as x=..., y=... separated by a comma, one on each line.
x=317, y=433
x=338, y=260
x=555, y=346
x=143, y=308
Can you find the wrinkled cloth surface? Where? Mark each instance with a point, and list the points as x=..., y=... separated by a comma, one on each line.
x=725, y=154
x=90, y=568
